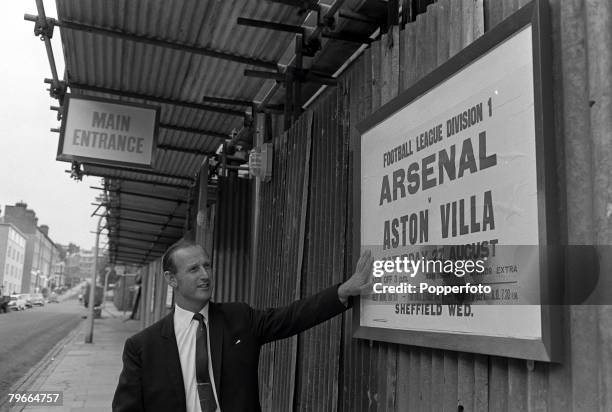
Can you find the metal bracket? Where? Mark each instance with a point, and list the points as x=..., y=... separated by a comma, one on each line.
x=58, y=90
x=324, y=20
x=75, y=171
x=311, y=45
x=44, y=28
x=58, y=109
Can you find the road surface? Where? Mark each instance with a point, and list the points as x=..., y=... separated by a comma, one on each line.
x=27, y=336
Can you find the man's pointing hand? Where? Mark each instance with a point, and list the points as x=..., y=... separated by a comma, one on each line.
x=361, y=281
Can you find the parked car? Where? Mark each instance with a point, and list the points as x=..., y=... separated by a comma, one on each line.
x=28, y=301
x=17, y=302
x=37, y=299
x=53, y=298
x=4, y=301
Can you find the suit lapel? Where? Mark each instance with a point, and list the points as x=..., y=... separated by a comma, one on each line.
x=172, y=359
x=217, y=325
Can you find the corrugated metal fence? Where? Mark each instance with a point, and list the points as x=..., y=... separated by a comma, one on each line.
x=153, y=294
x=326, y=369
x=231, y=245
x=278, y=271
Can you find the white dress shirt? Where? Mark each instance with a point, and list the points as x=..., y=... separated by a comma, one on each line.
x=185, y=329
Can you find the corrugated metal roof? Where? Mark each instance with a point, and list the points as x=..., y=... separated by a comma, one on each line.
x=127, y=50
x=144, y=223
x=108, y=62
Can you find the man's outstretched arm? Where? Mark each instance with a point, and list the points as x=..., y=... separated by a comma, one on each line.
x=279, y=323
x=128, y=395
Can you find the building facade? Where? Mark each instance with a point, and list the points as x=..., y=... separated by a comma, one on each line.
x=86, y=263
x=12, y=257
x=42, y=262
x=39, y=254
x=58, y=274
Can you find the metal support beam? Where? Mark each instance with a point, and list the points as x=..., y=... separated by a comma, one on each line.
x=147, y=195
x=303, y=5
x=184, y=150
x=135, y=239
x=271, y=108
x=288, y=118
x=136, y=252
x=192, y=130
x=173, y=238
x=270, y=94
x=114, y=249
x=348, y=37
x=202, y=51
x=299, y=66
x=144, y=252
x=279, y=77
x=146, y=212
x=126, y=254
x=44, y=28
x=227, y=100
x=146, y=222
x=142, y=256
x=162, y=100
x=301, y=75
x=320, y=78
x=118, y=245
x=139, y=194
x=128, y=261
x=142, y=171
x=148, y=182
x=263, y=24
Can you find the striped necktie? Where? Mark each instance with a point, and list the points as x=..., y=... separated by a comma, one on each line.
x=205, y=391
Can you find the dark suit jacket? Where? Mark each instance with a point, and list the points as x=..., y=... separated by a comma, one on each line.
x=151, y=379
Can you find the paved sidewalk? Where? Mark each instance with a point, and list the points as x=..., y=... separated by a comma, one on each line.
x=87, y=373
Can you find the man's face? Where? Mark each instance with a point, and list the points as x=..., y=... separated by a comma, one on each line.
x=193, y=277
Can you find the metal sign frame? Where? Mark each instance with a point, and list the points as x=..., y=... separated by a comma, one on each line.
x=105, y=162
x=549, y=347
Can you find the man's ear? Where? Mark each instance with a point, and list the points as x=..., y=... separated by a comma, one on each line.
x=170, y=278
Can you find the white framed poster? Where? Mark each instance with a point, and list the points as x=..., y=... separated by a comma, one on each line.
x=455, y=201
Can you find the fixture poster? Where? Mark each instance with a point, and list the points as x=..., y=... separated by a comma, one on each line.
x=451, y=205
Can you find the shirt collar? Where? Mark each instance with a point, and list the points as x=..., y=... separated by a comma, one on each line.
x=183, y=317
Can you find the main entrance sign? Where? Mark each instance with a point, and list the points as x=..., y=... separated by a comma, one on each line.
x=103, y=131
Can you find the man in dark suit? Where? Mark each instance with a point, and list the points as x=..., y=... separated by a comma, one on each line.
x=203, y=356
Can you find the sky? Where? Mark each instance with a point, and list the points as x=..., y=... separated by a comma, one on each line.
x=28, y=169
